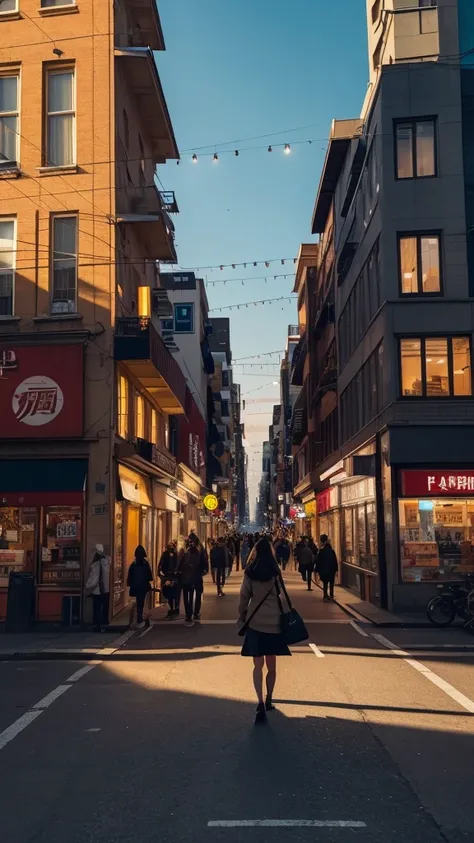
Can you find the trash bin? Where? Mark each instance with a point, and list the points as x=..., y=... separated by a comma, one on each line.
x=71, y=610
x=20, y=602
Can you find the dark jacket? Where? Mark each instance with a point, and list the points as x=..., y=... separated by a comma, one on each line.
x=305, y=556
x=192, y=566
x=168, y=564
x=220, y=557
x=139, y=578
x=283, y=550
x=326, y=564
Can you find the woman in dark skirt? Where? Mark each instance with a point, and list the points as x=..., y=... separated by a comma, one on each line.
x=259, y=603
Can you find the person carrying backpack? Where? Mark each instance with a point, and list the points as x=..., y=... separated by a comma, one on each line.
x=327, y=567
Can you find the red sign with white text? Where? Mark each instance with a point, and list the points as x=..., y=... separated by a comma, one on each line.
x=437, y=484
x=41, y=391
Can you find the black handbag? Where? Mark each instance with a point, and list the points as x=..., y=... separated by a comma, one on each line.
x=292, y=624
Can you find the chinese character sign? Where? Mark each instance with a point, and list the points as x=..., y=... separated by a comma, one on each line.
x=435, y=484
x=41, y=395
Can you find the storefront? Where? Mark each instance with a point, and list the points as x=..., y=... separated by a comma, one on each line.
x=42, y=529
x=435, y=524
x=359, y=544
x=329, y=519
x=134, y=525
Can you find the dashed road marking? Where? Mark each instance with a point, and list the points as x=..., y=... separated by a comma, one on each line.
x=82, y=672
x=358, y=629
x=317, y=652
x=448, y=689
x=51, y=697
x=8, y=734
x=286, y=824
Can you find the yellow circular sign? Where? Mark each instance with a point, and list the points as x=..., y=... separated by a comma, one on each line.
x=211, y=502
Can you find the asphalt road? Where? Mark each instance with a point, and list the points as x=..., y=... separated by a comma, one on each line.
x=157, y=742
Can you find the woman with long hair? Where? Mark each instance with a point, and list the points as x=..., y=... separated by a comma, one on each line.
x=260, y=615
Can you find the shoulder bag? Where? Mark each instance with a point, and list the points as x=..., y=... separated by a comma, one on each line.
x=244, y=628
x=292, y=624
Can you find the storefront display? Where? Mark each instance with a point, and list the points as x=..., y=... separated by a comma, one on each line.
x=61, y=546
x=18, y=536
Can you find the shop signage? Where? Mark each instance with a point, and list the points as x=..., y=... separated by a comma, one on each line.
x=99, y=509
x=361, y=490
x=210, y=502
x=324, y=500
x=205, y=519
x=199, y=503
x=41, y=391
x=437, y=483
x=310, y=509
x=153, y=453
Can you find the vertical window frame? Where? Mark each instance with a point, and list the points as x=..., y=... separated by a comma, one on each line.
x=14, y=220
x=414, y=121
x=123, y=395
x=53, y=218
x=139, y=400
x=49, y=71
x=419, y=236
x=422, y=339
x=9, y=73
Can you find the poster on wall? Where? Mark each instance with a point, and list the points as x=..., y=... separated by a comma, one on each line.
x=41, y=391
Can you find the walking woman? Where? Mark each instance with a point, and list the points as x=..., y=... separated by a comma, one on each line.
x=170, y=587
x=139, y=582
x=260, y=614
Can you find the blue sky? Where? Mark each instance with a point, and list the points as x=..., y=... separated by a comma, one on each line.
x=234, y=70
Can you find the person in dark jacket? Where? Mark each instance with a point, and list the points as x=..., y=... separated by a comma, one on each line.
x=139, y=582
x=192, y=567
x=327, y=567
x=305, y=557
x=170, y=585
x=220, y=561
x=283, y=552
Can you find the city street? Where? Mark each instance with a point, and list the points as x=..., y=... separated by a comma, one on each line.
x=156, y=741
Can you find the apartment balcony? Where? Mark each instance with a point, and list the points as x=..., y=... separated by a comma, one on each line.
x=299, y=358
x=141, y=75
x=140, y=348
x=143, y=28
x=142, y=208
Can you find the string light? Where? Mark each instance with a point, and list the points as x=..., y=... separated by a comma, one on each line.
x=194, y=159
x=287, y=149
x=235, y=264
x=243, y=304
x=236, y=153
x=215, y=157
x=270, y=149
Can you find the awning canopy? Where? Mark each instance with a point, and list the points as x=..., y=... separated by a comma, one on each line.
x=46, y=482
x=135, y=487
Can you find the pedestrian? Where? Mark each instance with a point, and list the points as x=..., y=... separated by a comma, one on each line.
x=283, y=552
x=170, y=586
x=219, y=563
x=139, y=582
x=306, y=561
x=237, y=545
x=260, y=614
x=244, y=551
x=327, y=567
x=98, y=586
x=231, y=549
x=192, y=567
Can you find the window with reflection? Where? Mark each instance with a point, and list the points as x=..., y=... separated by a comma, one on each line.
x=420, y=271
x=415, y=147
x=410, y=356
x=435, y=366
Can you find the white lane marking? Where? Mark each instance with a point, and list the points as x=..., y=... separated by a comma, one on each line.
x=316, y=651
x=82, y=672
x=12, y=731
x=358, y=629
x=51, y=697
x=286, y=824
x=146, y=631
x=92, y=730
x=448, y=689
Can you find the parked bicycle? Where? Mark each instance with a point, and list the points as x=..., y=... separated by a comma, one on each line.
x=454, y=600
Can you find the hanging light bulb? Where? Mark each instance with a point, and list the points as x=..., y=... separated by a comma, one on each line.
x=194, y=158
x=177, y=162
x=287, y=149
x=236, y=153
x=215, y=157
x=270, y=149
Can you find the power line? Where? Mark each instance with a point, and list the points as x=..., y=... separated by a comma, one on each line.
x=244, y=140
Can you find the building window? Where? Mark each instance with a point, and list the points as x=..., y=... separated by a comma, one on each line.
x=184, y=318
x=428, y=4
x=141, y=173
x=420, y=264
x=139, y=416
x=415, y=142
x=7, y=6
x=61, y=118
x=224, y=409
x=7, y=265
x=435, y=367
x=64, y=264
x=154, y=427
x=47, y=4
x=122, y=407
x=166, y=431
x=9, y=142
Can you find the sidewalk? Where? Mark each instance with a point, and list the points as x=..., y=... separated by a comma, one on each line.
x=60, y=643
x=367, y=612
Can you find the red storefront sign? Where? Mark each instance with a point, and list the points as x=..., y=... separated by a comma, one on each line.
x=436, y=484
x=324, y=500
x=192, y=437
x=41, y=391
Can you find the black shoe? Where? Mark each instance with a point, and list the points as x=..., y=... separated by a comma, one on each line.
x=170, y=614
x=260, y=716
x=197, y=618
x=269, y=705
x=147, y=623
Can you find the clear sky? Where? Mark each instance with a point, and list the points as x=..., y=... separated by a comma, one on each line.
x=235, y=69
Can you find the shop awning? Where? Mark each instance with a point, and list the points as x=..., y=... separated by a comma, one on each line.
x=59, y=482
x=135, y=487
